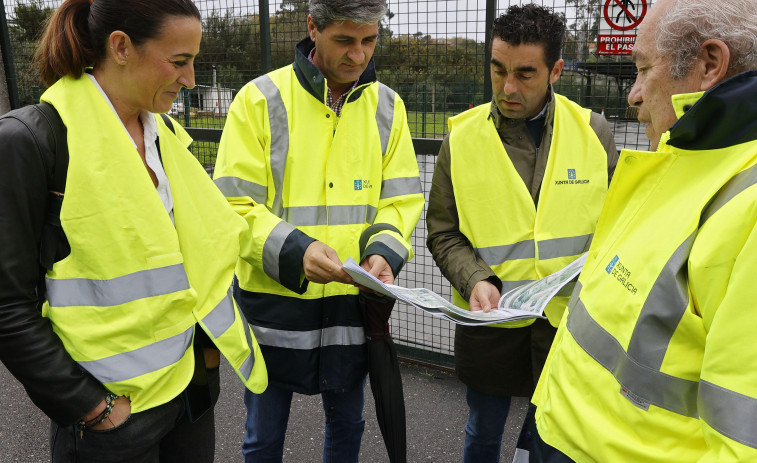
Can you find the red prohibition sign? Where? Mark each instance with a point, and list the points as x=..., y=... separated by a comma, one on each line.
x=626, y=14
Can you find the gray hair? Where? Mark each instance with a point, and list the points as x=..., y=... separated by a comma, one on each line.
x=325, y=12
x=687, y=24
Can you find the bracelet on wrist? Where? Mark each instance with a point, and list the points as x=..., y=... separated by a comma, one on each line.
x=110, y=402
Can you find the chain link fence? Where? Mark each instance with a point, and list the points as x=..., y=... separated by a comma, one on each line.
x=433, y=53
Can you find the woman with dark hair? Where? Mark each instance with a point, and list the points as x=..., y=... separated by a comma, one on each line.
x=114, y=322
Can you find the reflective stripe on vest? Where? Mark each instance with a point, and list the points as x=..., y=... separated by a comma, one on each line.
x=638, y=370
x=374, y=229
x=153, y=357
x=272, y=249
x=279, y=123
x=221, y=319
x=728, y=412
x=393, y=244
x=548, y=249
x=249, y=363
x=308, y=216
x=733, y=187
x=385, y=116
x=73, y=292
x=495, y=255
x=400, y=186
x=564, y=247
x=235, y=187
x=306, y=340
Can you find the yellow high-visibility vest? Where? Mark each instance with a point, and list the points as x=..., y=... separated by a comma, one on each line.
x=655, y=360
x=339, y=179
x=125, y=302
x=519, y=241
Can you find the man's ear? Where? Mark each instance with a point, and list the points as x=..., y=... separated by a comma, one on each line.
x=311, y=28
x=554, y=74
x=714, y=59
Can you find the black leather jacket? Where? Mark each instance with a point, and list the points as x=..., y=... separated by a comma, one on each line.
x=29, y=348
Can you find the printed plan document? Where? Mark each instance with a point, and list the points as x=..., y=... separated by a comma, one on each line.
x=525, y=301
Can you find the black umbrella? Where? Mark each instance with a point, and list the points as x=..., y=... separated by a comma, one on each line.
x=384, y=375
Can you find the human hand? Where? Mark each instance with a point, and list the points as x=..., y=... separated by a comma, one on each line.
x=119, y=414
x=485, y=296
x=322, y=265
x=377, y=266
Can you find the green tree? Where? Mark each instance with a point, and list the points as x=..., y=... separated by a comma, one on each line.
x=25, y=31
x=31, y=19
x=232, y=45
x=439, y=75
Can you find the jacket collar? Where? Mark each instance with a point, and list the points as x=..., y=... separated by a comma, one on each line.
x=312, y=80
x=725, y=115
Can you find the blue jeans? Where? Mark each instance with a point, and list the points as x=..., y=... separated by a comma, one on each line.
x=486, y=424
x=268, y=415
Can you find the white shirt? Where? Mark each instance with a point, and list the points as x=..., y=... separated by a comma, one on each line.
x=151, y=150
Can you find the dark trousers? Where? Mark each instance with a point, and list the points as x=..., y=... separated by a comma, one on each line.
x=487, y=415
x=531, y=448
x=160, y=434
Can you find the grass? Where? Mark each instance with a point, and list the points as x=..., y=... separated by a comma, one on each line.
x=435, y=124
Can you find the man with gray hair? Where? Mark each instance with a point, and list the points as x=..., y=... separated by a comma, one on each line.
x=656, y=359
x=317, y=157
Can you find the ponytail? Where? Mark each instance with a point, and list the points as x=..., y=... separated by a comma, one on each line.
x=66, y=47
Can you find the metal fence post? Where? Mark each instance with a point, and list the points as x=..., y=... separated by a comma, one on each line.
x=491, y=10
x=187, y=101
x=7, y=52
x=265, y=37
x=423, y=114
x=5, y=104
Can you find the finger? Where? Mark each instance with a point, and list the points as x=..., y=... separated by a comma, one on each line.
x=342, y=277
x=364, y=289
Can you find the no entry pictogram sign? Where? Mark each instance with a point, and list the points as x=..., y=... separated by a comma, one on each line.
x=623, y=15
x=617, y=26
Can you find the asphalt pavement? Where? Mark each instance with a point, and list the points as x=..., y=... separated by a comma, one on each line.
x=434, y=401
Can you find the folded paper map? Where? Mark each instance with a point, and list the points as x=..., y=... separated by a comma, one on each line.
x=525, y=301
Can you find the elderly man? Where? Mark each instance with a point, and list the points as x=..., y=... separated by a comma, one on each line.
x=317, y=156
x=656, y=359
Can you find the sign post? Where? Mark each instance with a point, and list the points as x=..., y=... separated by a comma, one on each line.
x=617, y=27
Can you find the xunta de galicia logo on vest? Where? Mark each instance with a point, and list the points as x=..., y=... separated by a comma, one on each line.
x=621, y=273
x=572, y=179
x=363, y=185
